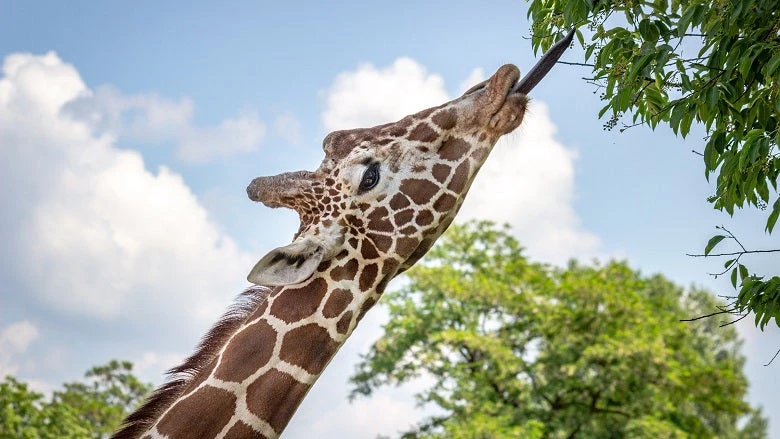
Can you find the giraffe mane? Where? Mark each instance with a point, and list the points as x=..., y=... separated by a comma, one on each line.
x=180, y=376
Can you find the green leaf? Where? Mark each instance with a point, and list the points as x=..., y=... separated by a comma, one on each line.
x=773, y=65
x=743, y=272
x=734, y=277
x=712, y=243
x=770, y=222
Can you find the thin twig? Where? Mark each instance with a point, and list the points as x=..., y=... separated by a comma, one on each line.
x=773, y=358
x=706, y=316
x=733, y=253
x=576, y=64
x=733, y=321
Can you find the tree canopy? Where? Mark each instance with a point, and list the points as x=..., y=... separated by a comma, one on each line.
x=93, y=408
x=716, y=63
x=518, y=349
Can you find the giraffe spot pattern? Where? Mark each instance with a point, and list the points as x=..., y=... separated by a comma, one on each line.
x=399, y=201
x=186, y=419
x=287, y=395
x=243, y=431
x=368, y=276
x=419, y=190
x=299, y=303
x=308, y=347
x=445, y=119
x=423, y=133
x=343, y=324
x=346, y=271
x=453, y=149
x=368, y=250
x=246, y=352
x=444, y=203
x=460, y=177
x=441, y=172
x=403, y=217
x=337, y=303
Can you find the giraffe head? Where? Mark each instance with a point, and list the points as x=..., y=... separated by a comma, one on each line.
x=391, y=190
x=388, y=192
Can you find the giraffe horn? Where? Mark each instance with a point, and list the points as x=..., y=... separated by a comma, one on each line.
x=543, y=66
x=279, y=190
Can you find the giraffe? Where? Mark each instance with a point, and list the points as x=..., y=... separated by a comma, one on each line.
x=374, y=207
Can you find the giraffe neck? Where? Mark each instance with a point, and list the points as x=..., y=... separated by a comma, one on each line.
x=259, y=377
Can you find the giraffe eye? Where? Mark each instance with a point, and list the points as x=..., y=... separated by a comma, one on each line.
x=370, y=178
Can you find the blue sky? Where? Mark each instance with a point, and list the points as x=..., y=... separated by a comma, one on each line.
x=176, y=106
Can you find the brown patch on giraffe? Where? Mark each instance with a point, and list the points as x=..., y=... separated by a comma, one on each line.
x=418, y=168
x=246, y=352
x=403, y=217
x=353, y=242
x=346, y=271
x=299, y=303
x=453, y=148
x=366, y=306
x=384, y=141
x=323, y=265
x=337, y=303
x=185, y=418
x=427, y=112
x=382, y=242
x=444, y=203
x=243, y=431
x=308, y=347
x=482, y=137
x=368, y=250
x=288, y=394
x=424, y=217
x=460, y=177
x=343, y=324
x=399, y=201
x=445, y=119
x=368, y=276
x=419, y=190
x=441, y=172
x=377, y=220
x=404, y=246
x=423, y=133
x=397, y=131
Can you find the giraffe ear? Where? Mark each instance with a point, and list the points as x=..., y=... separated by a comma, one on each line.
x=288, y=265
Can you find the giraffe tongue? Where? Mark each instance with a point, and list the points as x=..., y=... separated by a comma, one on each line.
x=540, y=69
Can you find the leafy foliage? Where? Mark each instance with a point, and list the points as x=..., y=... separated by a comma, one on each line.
x=90, y=409
x=683, y=61
x=517, y=349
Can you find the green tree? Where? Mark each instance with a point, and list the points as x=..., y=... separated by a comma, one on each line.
x=109, y=393
x=522, y=350
x=25, y=415
x=90, y=409
x=714, y=62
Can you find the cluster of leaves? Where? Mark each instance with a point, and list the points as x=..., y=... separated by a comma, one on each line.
x=90, y=409
x=516, y=349
x=715, y=62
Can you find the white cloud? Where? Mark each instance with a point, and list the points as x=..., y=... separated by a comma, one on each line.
x=371, y=96
x=152, y=118
x=475, y=77
x=14, y=340
x=289, y=128
x=94, y=232
x=528, y=181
